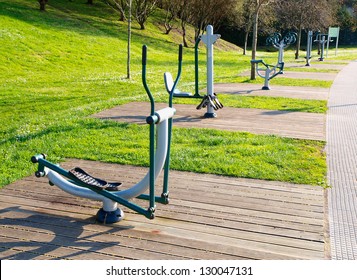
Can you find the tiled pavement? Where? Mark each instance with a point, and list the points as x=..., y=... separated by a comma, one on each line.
x=342, y=164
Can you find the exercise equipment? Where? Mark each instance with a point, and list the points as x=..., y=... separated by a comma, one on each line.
x=210, y=100
x=309, y=48
x=322, y=39
x=268, y=71
x=79, y=183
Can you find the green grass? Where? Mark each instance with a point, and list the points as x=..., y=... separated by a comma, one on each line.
x=59, y=67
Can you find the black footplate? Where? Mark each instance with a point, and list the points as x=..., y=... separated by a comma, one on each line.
x=210, y=100
x=87, y=179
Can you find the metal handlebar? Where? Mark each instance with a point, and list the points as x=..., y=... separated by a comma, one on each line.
x=144, y=58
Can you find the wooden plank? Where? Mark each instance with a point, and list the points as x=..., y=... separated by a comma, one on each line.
x=176, y=201
x=118, y=230
x=323, y=76
x=247, y=89
x=236, y=210
x=286, y=252
x=284, y=123
x=121, y=231
x=221, y=218
x=261, y=204
x=112, y=237
x=222, y=229
x=34, y=243
x=243, y=243
x=252, y=216
x=199, y=217
x=19, y=253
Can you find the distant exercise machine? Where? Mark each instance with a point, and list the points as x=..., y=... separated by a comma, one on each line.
x=210, y=100
x=79, y=183
x=268, y=71
x=309, y=48
x=322, y=39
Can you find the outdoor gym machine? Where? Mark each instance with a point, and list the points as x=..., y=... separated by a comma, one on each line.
x=210, y=100
x=79, y=183
x=322, y=39
x=309, y=48
x=268, y=71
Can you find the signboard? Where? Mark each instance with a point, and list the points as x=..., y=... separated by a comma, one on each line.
x=333, y=32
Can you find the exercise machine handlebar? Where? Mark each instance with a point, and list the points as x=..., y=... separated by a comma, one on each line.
x=179, y=70
x=144, y=60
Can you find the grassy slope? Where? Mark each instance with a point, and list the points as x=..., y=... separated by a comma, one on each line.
x=61, y=66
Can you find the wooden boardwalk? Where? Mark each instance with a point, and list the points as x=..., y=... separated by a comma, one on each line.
x=283, y=123
x=303, y=75
x=246, y=89
x=209, y=217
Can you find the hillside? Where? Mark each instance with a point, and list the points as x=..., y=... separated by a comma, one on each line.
x=61, y=66
x=67, y=63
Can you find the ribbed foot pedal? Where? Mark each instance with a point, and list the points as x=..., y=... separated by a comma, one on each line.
x=89, y=180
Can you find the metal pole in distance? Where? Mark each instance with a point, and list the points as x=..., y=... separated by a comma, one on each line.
x=209, y=39
x=308, y=48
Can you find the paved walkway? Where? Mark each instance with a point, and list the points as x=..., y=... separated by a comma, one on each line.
x=342, y=163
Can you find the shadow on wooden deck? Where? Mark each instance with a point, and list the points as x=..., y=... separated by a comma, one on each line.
x=209, y=217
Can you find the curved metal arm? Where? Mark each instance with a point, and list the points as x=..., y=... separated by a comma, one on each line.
x=272, y=69
x=179, y=70
x=277, y=41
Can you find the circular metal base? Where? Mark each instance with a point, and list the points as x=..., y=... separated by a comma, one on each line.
x=106, y=217
x=265, y=88
x=210, y=115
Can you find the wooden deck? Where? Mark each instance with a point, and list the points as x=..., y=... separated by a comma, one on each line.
x=209, y=217
x=246, y=89
x=283, y=123
x=303, y=75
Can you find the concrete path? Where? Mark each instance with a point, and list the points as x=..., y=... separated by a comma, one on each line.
x=342, y=164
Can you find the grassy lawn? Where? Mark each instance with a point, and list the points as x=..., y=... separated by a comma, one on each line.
x=59, y=67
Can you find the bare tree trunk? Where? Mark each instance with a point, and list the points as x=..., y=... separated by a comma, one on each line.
x=183, y=26
x=43, y=4
x=129, y=41
x=254, y=43
x=246, y=42
x=169, y=17
x=297, y=49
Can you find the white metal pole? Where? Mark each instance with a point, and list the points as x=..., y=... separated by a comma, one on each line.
x=209, y=39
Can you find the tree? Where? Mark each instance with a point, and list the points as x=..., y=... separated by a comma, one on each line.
x=247, y=24
x=210, y=12
x=257, y=6
x=143, y=9
x=185, y=14
x=43, y=4
x=129, y=41
x=347, y=15
x=171, y=8
x=306, y=14
x=120, y=6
